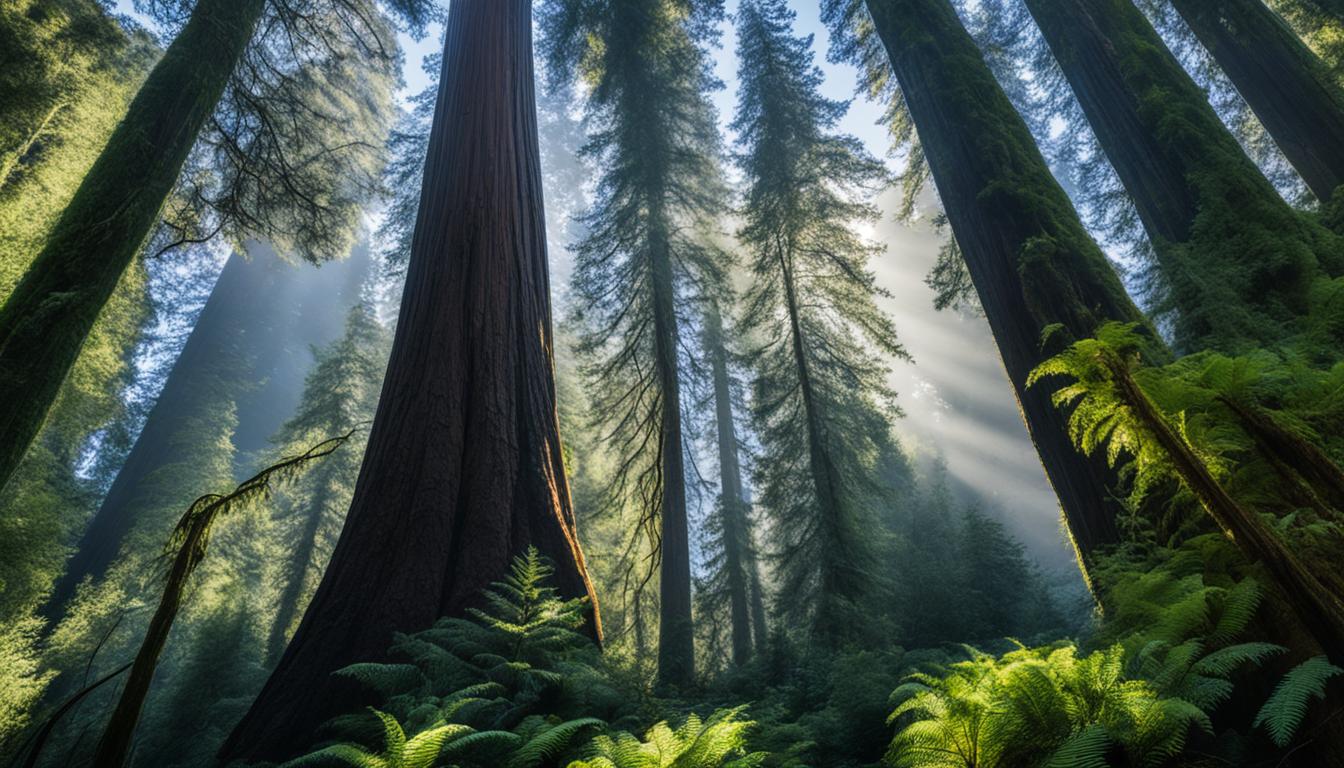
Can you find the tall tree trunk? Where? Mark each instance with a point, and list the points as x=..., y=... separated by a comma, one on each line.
x=44, y=322
x=1032, y=263
x=759, y=632
x=732, y=502
x=1288, y=87
x=463, y=468
x=825, y=478
x=676, y=633
x=261, y=318
x=1224, y=239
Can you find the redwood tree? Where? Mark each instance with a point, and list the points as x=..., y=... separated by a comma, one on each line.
x=463, y=469
x=1032, y=263
x=1289, y=88
x=1234, y=260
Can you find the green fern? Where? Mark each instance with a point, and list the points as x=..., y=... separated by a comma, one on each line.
x=719, y=742
x=1283, y=712
x=419, y=751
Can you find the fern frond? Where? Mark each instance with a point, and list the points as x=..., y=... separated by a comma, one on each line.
x=1285, y=708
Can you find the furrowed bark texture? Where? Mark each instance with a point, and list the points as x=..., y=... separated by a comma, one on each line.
x=44, y=322
x=1288, y=87
x=732, y=503
x=463, y=468
x=1032, y=262
x=1234, y=260
x=262, y=317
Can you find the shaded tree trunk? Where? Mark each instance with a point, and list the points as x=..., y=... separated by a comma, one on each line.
x=1234, y=260
x=732, y=501
x=1288, y=87
x=257, y=325
x=676, y=633
x=46, y=319
x=1032, y=263
x=1313, y=466
x=463, y=468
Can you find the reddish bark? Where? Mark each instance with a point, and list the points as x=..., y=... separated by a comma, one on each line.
x=463, y=468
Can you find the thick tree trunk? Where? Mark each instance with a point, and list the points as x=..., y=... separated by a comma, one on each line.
x=1317, y=607
x=732, y=502
x=1234, y=259
x=463, y=468
x=1032, y=263
x=44, y=322
x=262, y=317
x=1288, y=87
x=676, y=633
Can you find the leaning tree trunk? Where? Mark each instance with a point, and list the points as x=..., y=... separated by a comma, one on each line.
x=1288, y=87
x=463, y=468
x=1233, y=258
x=1318, y=608
x=1032, y=263
x=732, y=502
x=44, y=322
x=261, y=318
x=676, y=633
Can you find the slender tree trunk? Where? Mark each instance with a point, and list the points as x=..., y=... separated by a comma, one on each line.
x=1320, y=473
x=463, y=468
x=732, y=503
x=15, y=157
x=759, y=632
x=825, y=479
x=1288, y=87
x=1032, y=263
x=115, y=745
x=1224, y=239
x=260, y=319
x=44, y=322
x=1318, y=608
x=287, y=609
x=676, y=633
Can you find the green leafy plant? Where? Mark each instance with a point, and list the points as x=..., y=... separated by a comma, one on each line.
x=1287, y=706
x=418, y=751
x=719, y=742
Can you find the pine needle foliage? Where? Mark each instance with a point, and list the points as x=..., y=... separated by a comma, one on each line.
x=646, y=264
x=822, y=348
